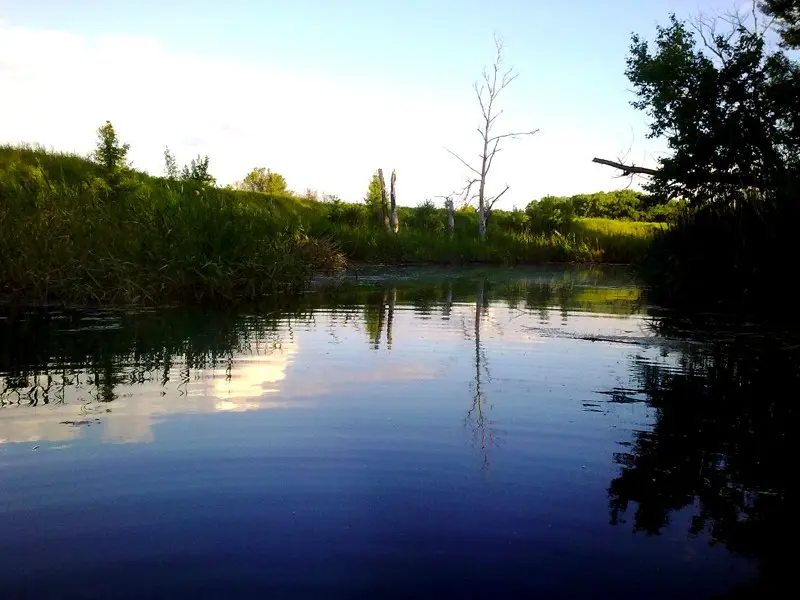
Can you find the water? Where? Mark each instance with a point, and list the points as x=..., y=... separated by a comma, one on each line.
x=516, y=433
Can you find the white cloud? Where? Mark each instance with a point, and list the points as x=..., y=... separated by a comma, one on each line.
x=58, y=87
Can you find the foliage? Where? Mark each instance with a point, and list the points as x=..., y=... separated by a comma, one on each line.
x=427, y=217
x=265, y=181
x=61, y=241
x=787, y=12
x=197, y=171
x=515, y=220
x=346, y=213
x=729, y=111
x=373, y=197
x=551, y=214
x=111, y=156
x=617, y=204
x=110, y=153
x=170, y=165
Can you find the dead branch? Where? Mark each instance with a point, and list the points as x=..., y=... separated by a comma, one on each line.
x=465, y=163
x=496, y=198
x=514, y=135
x=706, y=28
x=626, y=169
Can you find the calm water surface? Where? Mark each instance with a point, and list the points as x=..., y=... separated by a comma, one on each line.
x=500, y=433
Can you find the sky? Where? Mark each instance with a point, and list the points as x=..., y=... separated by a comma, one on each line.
x=326, y=92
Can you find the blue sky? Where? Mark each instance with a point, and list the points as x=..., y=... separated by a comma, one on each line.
x=325, y=92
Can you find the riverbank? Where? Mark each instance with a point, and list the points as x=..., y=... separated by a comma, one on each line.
x=67, y=236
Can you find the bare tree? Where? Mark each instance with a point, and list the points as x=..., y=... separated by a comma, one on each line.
x=451, y=216
x=384, y=201
x=494, y=80
x=393, y=222
x=450, y=207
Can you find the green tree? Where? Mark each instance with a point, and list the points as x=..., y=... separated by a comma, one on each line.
x=787, y=13
x=265, y=181
x=551, y=214
x=111, y=154
x=197, y=171
x=728, y=108
x=170, y=165
x=373, y=197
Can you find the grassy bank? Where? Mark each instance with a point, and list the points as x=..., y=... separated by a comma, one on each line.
x=67, y=235
x=64, y=236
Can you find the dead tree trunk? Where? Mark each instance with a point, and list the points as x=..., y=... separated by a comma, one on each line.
x=384, y=201
x=394, y=223
x=451, y=217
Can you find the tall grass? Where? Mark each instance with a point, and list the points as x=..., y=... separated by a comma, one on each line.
x=157, y=242
x=619, y=241
x=65, y=236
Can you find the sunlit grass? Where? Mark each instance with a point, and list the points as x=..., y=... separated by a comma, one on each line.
x=618, y=241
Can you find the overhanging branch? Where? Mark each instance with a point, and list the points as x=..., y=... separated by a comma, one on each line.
x=626, y=169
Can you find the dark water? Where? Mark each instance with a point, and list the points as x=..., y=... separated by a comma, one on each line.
x=503, y=434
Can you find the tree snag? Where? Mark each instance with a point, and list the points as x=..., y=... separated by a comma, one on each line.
x=393, y=222
x=495, y=80
x=384, y=201
x=451, y=218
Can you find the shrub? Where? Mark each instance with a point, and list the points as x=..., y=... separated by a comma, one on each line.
x=551, y=214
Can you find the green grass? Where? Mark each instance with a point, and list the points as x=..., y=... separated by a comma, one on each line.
x=619, y=241
x=66, y=237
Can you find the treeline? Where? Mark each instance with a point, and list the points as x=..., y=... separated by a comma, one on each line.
x=553, y=213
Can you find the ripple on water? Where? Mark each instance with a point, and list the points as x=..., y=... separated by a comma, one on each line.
x=484, y=431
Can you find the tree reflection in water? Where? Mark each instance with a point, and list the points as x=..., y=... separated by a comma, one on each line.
x=722, y=442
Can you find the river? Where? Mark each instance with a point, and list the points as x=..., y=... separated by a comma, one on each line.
x=473, y=433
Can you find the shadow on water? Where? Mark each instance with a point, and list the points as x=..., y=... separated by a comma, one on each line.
x=722, y=444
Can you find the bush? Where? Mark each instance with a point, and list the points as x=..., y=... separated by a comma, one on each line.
x=551, y=214
x=352, y=215
x=426, y=217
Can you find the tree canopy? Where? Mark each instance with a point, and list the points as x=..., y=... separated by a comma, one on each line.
x=728, y=108
x=787, y=13
x=373, y=197
x=197, y=171
x=261, y=179
x=110, y=153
